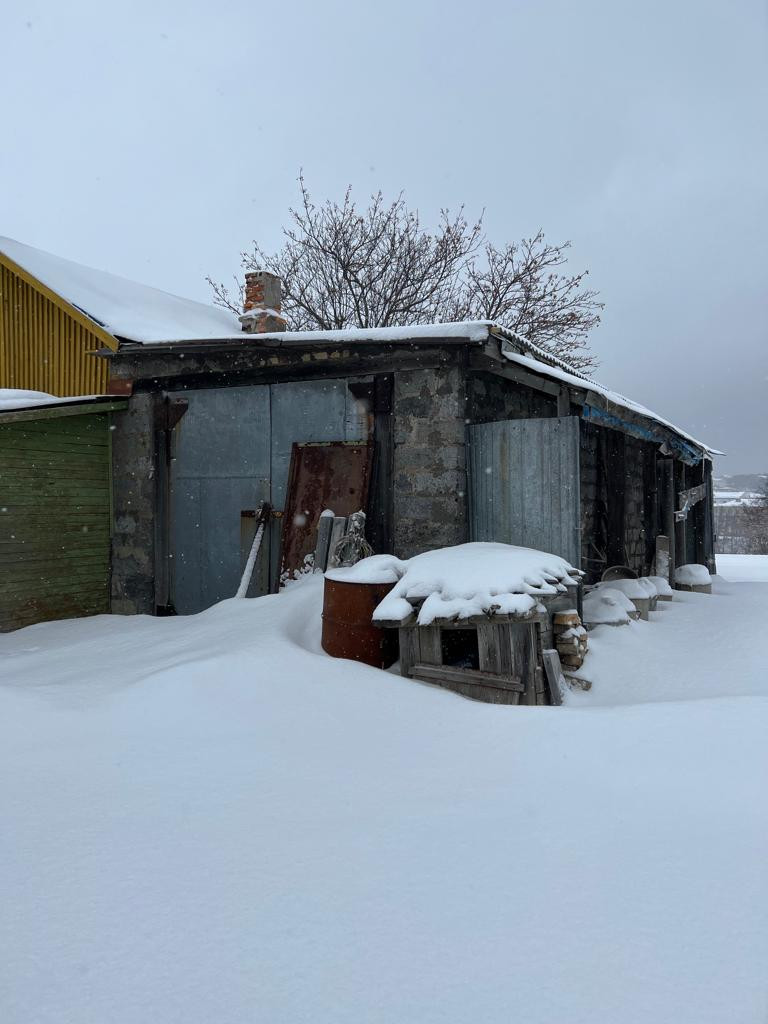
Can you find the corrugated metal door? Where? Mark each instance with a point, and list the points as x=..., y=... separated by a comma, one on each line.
x=232, y=449
x=524, y=484
x=221, y=466
x=55, y=519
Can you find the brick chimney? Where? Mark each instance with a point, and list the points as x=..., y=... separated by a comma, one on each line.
x=261, y=309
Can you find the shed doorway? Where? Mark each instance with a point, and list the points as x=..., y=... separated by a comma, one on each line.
x=524, y=484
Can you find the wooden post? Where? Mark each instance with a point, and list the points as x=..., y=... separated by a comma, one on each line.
x=681, y=546
x=668, y=466
x=662, y=563
x=338, y=526
x=324, y=527
x=563, y=402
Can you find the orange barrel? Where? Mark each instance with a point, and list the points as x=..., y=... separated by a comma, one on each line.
x=348, y=631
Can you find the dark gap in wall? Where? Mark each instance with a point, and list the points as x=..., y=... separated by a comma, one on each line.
x=460, y=648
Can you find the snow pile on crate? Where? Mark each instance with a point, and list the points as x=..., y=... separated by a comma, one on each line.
x=374, y=569
x=635, y=589
x=693, y=575
x=661, y=583
x=470, y=579
x=607, y=606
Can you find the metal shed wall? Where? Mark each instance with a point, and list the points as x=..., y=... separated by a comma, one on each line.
x=42, y=347
x=55, y=518
x=233, y=450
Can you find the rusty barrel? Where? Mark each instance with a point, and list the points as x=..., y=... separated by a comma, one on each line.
x=348, y=631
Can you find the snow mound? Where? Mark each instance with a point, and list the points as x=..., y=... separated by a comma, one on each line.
x=638, y=589
x=607, y=606
x=473, y=579
x=693, y=575
x=661, y=583
x=16, y=398
x=375, y=569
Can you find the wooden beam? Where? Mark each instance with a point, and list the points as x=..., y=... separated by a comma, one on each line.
x=510, y=371
x=449, y=674
x=555, y=678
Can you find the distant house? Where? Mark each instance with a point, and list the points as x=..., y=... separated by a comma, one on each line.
x=741, y=515
x=444, y=432
x=56, y=314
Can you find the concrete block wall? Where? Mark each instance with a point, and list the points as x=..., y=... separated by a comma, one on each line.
x=133, y=502
x=429, y=460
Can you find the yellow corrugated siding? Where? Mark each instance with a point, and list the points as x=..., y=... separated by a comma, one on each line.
x=42, y=348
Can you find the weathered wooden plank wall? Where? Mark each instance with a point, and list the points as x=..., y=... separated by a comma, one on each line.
x=42, y=348
x=55, y=519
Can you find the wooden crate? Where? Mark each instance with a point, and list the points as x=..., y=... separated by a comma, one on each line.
x=510, y=667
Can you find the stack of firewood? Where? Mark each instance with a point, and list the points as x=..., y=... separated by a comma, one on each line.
x=570, y=638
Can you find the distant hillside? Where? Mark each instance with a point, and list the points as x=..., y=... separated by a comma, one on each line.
x=752, y=482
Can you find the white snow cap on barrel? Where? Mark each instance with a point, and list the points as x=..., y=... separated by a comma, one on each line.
x=462, y=581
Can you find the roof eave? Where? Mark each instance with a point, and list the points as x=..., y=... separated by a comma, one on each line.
x=59, y=301
x=272, y=342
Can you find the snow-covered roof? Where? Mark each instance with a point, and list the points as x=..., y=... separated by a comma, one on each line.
x=460, y=331
x=16, y=399
x=123, y=308
x=514, y=347
x=137, y=313
x=557, y=369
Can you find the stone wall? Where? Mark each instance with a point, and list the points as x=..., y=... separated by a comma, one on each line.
x=133, y=499
x=429, y=462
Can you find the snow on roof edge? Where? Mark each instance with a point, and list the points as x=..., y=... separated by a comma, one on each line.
x=578, y=379
x=17, y=399
x=119, y=306
x=469, y=330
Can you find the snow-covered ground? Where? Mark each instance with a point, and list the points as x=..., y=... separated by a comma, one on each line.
x=205, y=819
x=743, y=568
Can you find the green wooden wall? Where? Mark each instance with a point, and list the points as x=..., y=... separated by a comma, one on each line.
x=55, y=518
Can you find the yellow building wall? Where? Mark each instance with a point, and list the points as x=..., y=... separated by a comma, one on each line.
x=44, y=348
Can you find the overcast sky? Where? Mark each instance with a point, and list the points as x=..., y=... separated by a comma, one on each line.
x=156, y=139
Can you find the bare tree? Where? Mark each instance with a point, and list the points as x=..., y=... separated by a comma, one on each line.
x=343, y=267
x=756, y=521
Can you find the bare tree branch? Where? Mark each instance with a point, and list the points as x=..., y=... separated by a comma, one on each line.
x=347, y=267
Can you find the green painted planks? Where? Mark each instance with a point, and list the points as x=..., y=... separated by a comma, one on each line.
x=55, y=519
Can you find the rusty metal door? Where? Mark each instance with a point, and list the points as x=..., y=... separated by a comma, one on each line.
x=324, y=475
x=232, y=449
